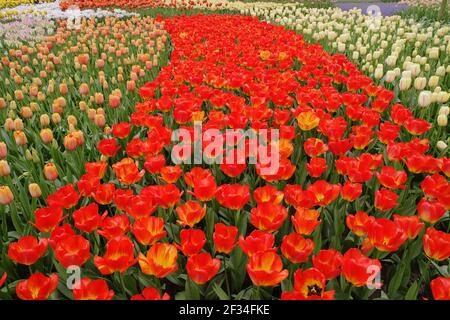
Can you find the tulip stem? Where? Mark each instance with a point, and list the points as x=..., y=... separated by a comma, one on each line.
x=227, y=283
x=122, y=283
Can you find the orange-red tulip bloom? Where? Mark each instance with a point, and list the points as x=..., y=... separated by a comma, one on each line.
x=202, y=267
x=266, y=269
x=88, y=289
x=27, y=250
x=37, y=287
x=160, y=261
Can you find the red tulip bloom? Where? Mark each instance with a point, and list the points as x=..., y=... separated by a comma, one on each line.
x=37, y=287
x=48, y=218
x=168, y=195
x=122, y=198
x=268, y=193
x=385, y=235
x=305, y=221
x=440, y=287
x=149, y=230
x=190, y=213
x=436, y=244
x=202, y=267
x=96, y=169
x=88, y=289
x=141, y=206
x=104, y=193
x=60, y=233
x=359, y=223
x=121, y=130
x=316, y=167
x=203, y=183
x=87, y=219
x=119, y=256
x=329, y=262
x=171, y=174
x=309, y=284
x=27, y=250
x=391, y=178
x=295, y=196
x=127, y=171
x=191, y=241
x=224, y=237
x=66, y=197
x=114, y=226
x=108, y=147
x=268, y=216
x=385, y=199
x=411, y=225
x=430, y=211
x=3, y=279
x=160, y=261
x=73, y=250
x=417, y=126
x=150, y=293
x=358, y=269
x=314, y=147
x=351, y=191
x=154, y=164
x=87, y=184
x=296, y=248
x=265, y=269
x=324, y=192
x=257, y=241
x=233, y=196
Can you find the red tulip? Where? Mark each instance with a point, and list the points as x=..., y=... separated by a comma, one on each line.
x=268, y=217
x=48, y=218
x=104, y=193
x=66, y=197
x=385, y=199
x=385, y=235
x=108, y=147
x=87, y=219
x=149, y=230
x=440, y=287
x=27, y=250
x=88, y=289
x=268, y=193
x=296, y=248
x=114, y=226
x=329, y=262
x=358, y=269
x=191, y=241
x=160, y=261
x=233, y=196
x=351, y=191
x=190, y=213
x=127, y=171
x=411, y=225
x=436, y=244
x=37, y=287
x=257, y=241
x=202, y=267
x=430, y=211
x=309, y=284
x=265, y=269
x=73, y=250
x=359, y=223
x=305, y=221
x=150, y=293
x=224, y=237
x=119, y=256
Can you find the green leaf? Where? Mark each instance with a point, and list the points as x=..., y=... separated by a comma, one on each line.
x=192, y=291
x=220, y=293
x=412, y=292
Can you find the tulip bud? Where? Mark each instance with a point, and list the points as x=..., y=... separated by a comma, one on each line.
x=18, y=124
x=46, y=135
x=6, y=196
x=20, y=138
x=441, y=145
x=442, y=120
x=433, y=81
x=70, y=142
x=35, y=190
x=445, y=110
x=44, y=120
x=100, y=120
x=420, y=83
x=5, y=170
x=56, y=118
x=50, y=172
x=405, y=83
x=28, y=155
x=424, y=99
x=72, y=120
x=3, y=150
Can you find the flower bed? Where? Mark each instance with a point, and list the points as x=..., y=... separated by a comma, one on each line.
x=350, y=201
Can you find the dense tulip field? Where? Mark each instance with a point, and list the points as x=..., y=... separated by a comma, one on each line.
x=222, y=150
